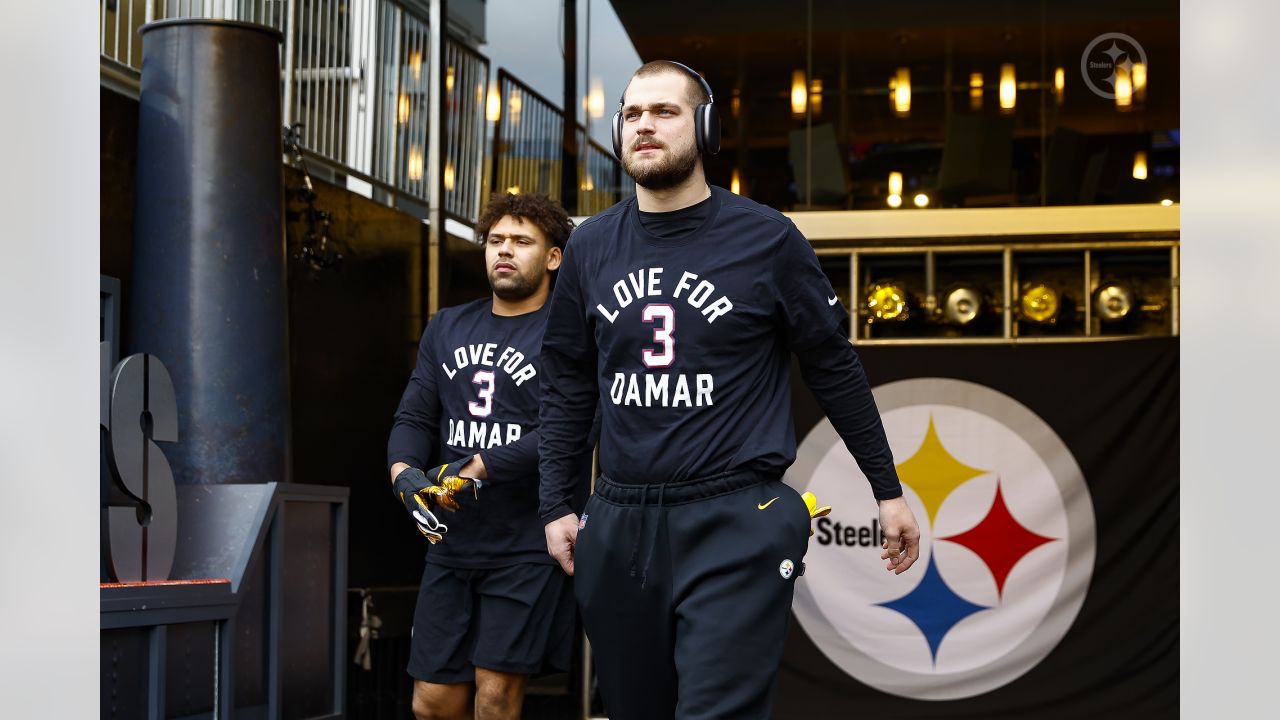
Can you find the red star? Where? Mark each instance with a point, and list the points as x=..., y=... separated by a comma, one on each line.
x=999, y=540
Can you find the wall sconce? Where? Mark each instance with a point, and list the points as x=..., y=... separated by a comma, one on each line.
x=975, y=91
x=799, y=98
x=921, y=200
x=414, y=165
x=415, y=65
x=815, y=96
x=493, y=105
x=448, y=79
x=735, y=183
x=514, y=103
x=1124, y=89
x=1059, y=85
x=1140, y=165
x=595, y=99
x=735, y=102
x=448, y=175
x=1008, y=88
x=900, y=86
x=402, y=108
x=1138, y=74
x=895, y=183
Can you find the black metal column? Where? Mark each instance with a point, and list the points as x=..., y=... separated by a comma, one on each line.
x=208, y=257
x=572, y=107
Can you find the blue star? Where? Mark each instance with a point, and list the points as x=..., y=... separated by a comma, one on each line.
x=934, y=607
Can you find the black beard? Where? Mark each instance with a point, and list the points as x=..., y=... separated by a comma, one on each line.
x=665, y=175
x=517, y=287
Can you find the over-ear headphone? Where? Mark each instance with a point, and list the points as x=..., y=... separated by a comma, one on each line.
x=706, y=119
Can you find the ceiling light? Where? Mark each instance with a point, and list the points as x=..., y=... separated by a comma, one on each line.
x=894, y=201
x=921, y=200
x=1166, y=202
x=961, y=305
x=1040, y=303
x=895, y=183
x=886, y=301
x=1112, y=301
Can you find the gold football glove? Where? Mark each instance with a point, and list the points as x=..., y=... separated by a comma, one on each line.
x=811, y=502
x=448, y=483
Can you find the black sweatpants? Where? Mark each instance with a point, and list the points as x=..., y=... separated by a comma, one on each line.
x=685, y=590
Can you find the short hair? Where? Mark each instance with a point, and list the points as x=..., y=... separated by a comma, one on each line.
x=541, y=210
x=697, y=95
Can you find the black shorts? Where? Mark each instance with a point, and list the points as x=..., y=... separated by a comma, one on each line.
x=517, y=619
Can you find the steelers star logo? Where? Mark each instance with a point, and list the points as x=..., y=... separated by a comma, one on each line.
x=1007, y=544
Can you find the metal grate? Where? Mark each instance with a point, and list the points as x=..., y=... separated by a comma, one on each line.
x=527, y=152
x=356, y=74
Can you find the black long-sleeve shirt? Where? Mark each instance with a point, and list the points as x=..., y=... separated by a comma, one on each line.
x=684, y=340
x=475, y=391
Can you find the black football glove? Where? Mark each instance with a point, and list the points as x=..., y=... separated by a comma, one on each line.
x=417, y=490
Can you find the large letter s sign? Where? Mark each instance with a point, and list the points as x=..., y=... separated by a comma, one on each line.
x=141, y=538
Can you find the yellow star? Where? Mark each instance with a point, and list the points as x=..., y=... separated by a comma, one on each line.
x=933, y=472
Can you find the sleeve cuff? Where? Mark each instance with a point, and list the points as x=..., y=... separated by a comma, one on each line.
x=896, y=492
x=556, y=513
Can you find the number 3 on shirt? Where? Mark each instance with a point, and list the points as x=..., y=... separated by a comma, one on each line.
x=483, y=378
x=663, y=319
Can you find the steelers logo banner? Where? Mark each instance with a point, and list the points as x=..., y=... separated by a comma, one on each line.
x=1007, y=544
x=1035, y=494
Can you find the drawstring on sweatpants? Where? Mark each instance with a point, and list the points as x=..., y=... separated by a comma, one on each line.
x=653, y=544
x=635, y=550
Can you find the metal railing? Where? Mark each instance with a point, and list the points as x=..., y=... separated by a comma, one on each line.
x=356, y=74
x=527, y=151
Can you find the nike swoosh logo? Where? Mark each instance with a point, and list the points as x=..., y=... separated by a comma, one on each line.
x=765, y=505
x=833, y=300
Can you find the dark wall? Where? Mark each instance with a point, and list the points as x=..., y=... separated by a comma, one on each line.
x=353, y=338
x=353, y=334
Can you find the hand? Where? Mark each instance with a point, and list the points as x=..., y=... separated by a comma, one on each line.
x=448, y=479
x=811, y=502
x=901, y=535
x=416, y=491
x=562, y=535
x=410, y=486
